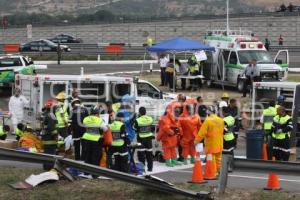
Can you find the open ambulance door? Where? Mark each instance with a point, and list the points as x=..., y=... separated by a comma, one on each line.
x=282, y=58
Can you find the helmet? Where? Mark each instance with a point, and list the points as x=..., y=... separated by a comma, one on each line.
x=61, y=96
x=95, y=110
x=74, y=101
x=225, y=95
x=281, y=98
x=50, y=103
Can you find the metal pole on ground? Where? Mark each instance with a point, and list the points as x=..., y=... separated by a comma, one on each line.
x=226, y=159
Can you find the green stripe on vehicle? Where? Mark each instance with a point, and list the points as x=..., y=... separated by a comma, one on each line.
x=233, y=66
x=220, y=38
x=284, y=65
x=7, y=76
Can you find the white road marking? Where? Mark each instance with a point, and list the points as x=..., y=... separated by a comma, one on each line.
x=261, y=178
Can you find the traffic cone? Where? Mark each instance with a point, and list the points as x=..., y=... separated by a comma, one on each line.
x=273, y=182
x=197, y=176
x=264, y=154
x=210, y=168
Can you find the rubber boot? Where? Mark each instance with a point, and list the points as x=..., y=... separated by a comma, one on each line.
x=175, y=162
x=185, y=161
x=192, y=160
x=169, y=163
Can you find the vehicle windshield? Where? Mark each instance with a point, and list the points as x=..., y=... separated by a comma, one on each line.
x=50, y=42
x=262, y=57
x=10, y=62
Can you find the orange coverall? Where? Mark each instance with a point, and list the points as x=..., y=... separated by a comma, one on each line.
x=166, y=134
x=190, y=123
x=211, y=132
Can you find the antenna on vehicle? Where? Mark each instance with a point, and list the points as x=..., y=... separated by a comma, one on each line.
x=227, y=24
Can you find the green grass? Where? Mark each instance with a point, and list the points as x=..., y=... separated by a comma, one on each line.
x=294, y=77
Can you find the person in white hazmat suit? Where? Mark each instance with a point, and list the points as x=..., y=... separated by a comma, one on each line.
x=16, y=106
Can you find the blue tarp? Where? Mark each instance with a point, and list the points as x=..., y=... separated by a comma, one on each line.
x=179, y=44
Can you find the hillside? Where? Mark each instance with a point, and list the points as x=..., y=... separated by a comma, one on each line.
x=137, y=7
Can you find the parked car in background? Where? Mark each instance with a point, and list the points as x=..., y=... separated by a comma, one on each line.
x=43, y=45
x=64, y=38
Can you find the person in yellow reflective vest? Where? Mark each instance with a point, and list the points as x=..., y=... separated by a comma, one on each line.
x=61, y=114
x=145, y=129
x=49, y=132
x=267, y=119
x=229, y=140
x=149, y=41
x=19, y=131
x=118, y=149
x=194, y=69
x=93, y=137
x=3, y=134
x=281, y=128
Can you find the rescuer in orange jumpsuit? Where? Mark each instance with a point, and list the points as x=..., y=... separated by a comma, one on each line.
x=190, y=123
x=211, y=132
x=169, y=129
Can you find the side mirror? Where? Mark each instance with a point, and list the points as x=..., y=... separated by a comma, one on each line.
x=278, y=62
x=31, y=62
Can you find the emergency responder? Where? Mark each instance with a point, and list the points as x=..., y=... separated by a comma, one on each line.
x=16, y=107
x=193, y=68
x=280, y=101
x=229, y=140
x=267, y=119
x=201, y=109
x=19, y=131
x=224, y=100
x=118, y=149
x=190, y=123
x=211, y=132
x=144, y=129
x=93, y=136
x=281, y=128
x=79, y=112
x=3, y=134
x=169, y=128
x=110, y=111
x=49, y=132
x=62, y=115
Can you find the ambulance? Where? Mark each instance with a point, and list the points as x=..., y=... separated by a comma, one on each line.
x=93, y=90
x=233, y=53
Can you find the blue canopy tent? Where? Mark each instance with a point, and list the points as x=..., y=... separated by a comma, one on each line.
x=179, y=45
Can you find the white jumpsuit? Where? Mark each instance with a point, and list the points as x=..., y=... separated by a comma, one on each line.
x=16, y=108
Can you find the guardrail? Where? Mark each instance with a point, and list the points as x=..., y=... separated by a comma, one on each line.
x=60, y=162
x=288, y=168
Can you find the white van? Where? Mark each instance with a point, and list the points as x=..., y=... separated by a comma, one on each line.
x=232, y=55
x=93, y=89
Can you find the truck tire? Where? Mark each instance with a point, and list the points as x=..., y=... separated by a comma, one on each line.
x=240, y=85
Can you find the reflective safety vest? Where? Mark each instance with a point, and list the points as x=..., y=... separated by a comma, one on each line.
x=268, y=115
x=115, y=128
x=280, y=121
x=145, y=123
x=228, y=130
x=93, y=131
x=18, y=132
x=61, y=120
x=193, y=68
x=2, y=132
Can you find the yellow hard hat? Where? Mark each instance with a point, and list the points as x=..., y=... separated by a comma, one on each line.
x=225, y=95
x=61, y=96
